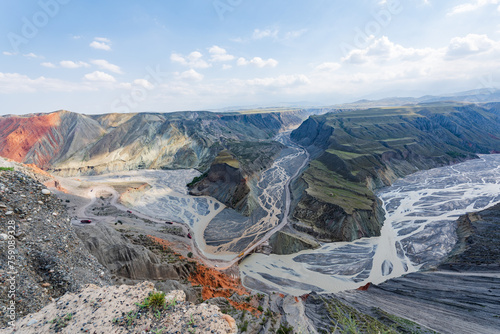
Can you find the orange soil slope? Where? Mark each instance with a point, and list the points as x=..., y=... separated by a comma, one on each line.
x=19, y=134
x=215, y=283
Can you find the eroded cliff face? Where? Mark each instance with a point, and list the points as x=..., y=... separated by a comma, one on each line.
x=330, y=222
x=127, y=260
x=234, y=172
x=225, y=182
x=355, y=153
x=72, y=144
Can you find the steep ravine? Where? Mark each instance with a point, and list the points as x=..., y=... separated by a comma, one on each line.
x=354, y=153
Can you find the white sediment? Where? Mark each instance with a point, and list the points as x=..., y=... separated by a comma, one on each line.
x=418, y=209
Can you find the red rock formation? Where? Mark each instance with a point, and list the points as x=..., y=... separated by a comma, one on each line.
x=364, y=287
x=19, y=134
x=214, y=282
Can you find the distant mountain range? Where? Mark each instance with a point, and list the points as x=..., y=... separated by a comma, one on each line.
x=471, y=96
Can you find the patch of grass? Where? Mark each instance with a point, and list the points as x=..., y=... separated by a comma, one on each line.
x=61, y=322
x=244, y=326
x=330, y=187
x=154, y=301
x=345, y=155
x=349, y=320
x=197, y=179
x=7, y=168
x=402, y=324
x=225, y=157
x=285, y=329
x=456, y=155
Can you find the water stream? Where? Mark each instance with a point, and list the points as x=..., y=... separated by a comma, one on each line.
x=419, y=231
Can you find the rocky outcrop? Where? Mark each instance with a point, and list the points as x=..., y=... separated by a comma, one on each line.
x=124, y=259
x=478, y=245
x=330, y=222
x=290, y=242
x=224, y=181
x=41, y=257
x=354, y=153
x=233, y=173
x=116, y=310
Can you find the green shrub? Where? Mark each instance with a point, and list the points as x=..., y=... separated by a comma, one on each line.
x=197, y=179
x=244, y=327
x=285, y=329
x=155, y=300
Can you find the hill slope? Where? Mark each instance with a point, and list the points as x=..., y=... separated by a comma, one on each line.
x=357, y=152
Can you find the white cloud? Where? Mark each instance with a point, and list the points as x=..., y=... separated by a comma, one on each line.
x=294, y=34
x=101, y=43
x=280, y=81
x=144, y=83
x=16, y=82
x=260, y=34
x=226, y=67
x=102, y=39
x=470, y=44
x=385, y=66
x=257, y=61
x=472, y=6
x=383, y=49
x=328, y=66
x=193, y=60
x=31, y=55
x=99, y=76
x=105, y=65
x=48, y=64
x=190, y=75
x=241, y=61
x=72, y=64
x=7, y=53
x=219, y=54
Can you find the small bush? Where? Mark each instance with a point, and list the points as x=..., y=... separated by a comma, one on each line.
x=260, y=308
x=190, y=254
x=285, y=329
x=244, y=327
x=155, y=300
x=7, y=168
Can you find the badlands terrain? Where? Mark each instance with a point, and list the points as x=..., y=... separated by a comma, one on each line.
x=271, y=217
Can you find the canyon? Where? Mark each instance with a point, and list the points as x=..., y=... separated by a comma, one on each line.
x=301, y=205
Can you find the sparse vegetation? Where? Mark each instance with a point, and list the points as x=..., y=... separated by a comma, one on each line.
x=155, y=301
x=349, y=320
x=285, y=329
x=197, y=179
x=61, y=322
x=6, y=168
x=244, y=326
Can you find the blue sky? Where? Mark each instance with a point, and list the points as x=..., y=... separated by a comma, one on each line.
x=130, y=56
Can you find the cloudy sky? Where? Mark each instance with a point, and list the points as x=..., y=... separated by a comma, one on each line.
x=127, y=56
